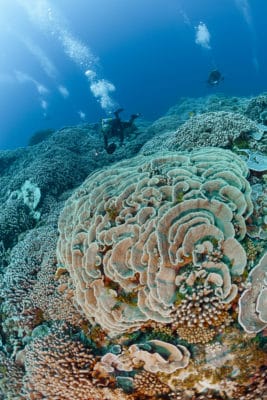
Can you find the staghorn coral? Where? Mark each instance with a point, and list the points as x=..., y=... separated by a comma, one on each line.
x=134, y=237
x=31, y=291
x=217, y=102
x=57, y=164
x=53, y=177
x=7, y=157
x=263, y=117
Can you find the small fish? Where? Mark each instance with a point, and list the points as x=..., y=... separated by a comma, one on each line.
x=191, y=114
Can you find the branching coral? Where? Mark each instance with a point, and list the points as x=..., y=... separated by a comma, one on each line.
x=60, y=368
x=11, y=375
x=148, y=384
x=27, y=258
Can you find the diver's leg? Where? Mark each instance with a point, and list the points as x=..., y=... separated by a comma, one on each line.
x=105, y=137
x=120, y=134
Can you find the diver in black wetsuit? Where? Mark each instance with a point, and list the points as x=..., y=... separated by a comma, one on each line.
x=215, y=77
x=111, y=127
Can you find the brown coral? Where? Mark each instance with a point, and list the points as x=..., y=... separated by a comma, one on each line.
x=59, y=367
x=11, y=375
x=199, y=315
x=148, y=384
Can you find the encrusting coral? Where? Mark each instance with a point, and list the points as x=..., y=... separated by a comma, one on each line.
x=137, y=237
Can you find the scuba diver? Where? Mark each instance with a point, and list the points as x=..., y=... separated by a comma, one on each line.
x=215, y=77
x=111, y=127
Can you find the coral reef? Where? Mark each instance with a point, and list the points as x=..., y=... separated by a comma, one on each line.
x=11, y=375
x=40, y=136
x=60, y=368
x=256, y=161
x=218, y=129
x=199, y=314
x=148, y=384
x=136, y=237
x=30, y=289
x=256, y=107
x=257, y=222
x=189, y=106
x=153, y=361
x=15, y=218
x=166, y=124
x=155, y=286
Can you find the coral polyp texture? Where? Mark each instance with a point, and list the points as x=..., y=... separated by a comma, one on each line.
x=157, y=240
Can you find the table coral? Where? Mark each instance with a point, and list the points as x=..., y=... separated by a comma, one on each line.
x=138, y=236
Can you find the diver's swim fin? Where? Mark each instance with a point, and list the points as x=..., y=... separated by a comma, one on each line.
x=111, y=148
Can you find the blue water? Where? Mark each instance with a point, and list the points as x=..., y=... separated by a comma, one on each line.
x=145, y=49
